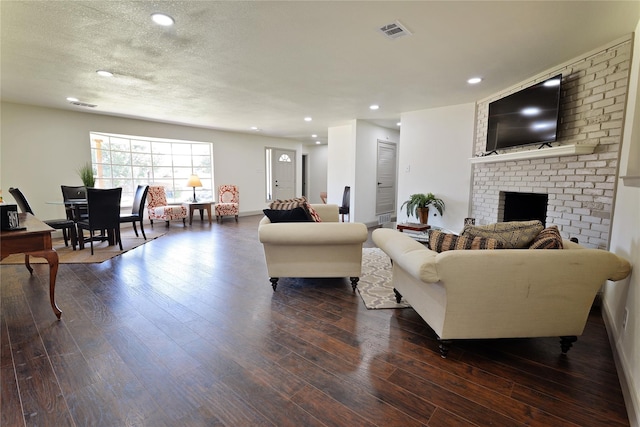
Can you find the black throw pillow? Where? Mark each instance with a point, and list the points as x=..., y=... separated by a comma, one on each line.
x=292, y=215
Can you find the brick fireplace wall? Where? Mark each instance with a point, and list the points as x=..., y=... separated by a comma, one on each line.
x=580, y=188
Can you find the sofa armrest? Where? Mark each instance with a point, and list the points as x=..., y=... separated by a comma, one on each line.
x=321, y=233
x=409, y=254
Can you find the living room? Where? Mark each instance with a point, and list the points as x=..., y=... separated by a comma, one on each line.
x=436, y=146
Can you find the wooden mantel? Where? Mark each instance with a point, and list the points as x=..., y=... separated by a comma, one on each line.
x=562, y=150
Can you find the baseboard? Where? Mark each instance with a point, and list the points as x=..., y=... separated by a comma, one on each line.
x=630, y=395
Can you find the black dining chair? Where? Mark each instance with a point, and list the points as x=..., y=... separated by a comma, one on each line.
x=67, y=226
x=104, y=214
x=137, y=210
x=74, y=212
x=346, y=201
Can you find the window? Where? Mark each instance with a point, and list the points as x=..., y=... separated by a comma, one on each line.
x=127, y=161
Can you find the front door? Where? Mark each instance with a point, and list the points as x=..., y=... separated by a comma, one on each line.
x=284, y=173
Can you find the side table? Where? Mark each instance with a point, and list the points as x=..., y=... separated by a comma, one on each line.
x=416, y=231
x=421, y=228
x=200, y=206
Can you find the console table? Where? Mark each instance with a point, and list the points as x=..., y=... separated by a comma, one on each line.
x=34, y=241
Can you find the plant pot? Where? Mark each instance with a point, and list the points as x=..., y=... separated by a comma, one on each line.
x=423, y=215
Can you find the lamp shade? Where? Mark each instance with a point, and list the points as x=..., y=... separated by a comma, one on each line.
x=194, y=181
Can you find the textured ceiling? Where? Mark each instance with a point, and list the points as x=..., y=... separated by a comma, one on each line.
x=232, y=65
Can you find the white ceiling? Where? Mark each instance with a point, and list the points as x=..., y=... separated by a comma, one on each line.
x=231, y=65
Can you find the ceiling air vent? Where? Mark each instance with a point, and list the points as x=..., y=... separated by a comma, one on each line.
x=395, y=30
x=83, y=104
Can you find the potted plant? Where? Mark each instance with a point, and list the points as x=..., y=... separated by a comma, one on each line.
x=86, y=175
x=418, y=206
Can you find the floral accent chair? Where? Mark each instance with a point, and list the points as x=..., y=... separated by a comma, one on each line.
x=157, y=207
x=228, y=202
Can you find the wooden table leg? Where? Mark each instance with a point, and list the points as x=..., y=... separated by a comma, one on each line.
x=52, y=259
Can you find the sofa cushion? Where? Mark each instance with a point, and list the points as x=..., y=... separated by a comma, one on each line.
x=298, y=214
x=440, y=242
x=549, y=238
x=288, y=204
x=513, y=234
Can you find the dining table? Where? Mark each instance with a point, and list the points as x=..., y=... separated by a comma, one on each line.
x=33, y=240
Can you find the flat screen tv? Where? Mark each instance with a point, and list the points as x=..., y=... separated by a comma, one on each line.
x=529, y=116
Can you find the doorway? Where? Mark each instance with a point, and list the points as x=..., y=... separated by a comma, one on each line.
x=386, y=177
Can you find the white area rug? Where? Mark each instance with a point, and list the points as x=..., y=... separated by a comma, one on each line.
x=375, y=282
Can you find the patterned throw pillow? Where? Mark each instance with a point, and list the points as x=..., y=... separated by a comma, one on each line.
x=297, y=202
x=513, y=234
x=440, y=242
x=288, y=204
x=549, y=238
x=312, y=212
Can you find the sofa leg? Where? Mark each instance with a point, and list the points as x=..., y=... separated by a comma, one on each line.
x=567, y=342
x=274, y=282
x=398, y=295
x=354, y=282
x=444, y=347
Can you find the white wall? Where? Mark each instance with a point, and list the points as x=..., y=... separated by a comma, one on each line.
x=341, y=162
x=625, y=242
x=317, y=171
x=42, y=148
x=435, y=148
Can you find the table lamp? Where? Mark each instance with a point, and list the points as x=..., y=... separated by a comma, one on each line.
x=194, y=182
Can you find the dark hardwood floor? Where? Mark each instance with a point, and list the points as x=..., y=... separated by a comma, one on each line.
x=186, y=331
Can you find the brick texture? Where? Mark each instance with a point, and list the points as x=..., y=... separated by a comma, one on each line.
x=580, y=187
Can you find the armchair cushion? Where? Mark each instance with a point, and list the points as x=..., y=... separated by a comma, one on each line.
x=440, y=242
x=287, y=215
x=513, y=234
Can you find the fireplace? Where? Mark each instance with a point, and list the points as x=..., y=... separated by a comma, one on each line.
x=516, y=206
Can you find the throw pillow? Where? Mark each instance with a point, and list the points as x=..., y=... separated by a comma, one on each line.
x=549, y=238
x=287, y=204
x=287, y=215
x=513, y=234
x=440, y=242
x=312, y=212
x=296, y=202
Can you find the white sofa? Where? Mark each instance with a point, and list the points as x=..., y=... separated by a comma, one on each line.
x=503, y=293
x=313, y=249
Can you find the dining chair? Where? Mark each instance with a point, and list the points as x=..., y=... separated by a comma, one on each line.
x=228, y=202
x=104, y=214
x=67, y=226
x=137, y=210
x=157, y=208
x=346, y=201
x=70, y=192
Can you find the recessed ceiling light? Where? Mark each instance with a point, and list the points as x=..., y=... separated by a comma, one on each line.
x=318, y=142
x=254, y=128
x=374, y=107
x=314, y=136
x=72, y=99
x=307, y=119
x=399, y=124
x=162, y=19
x=474, y=80
x=104, y=73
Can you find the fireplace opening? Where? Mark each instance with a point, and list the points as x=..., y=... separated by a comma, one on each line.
x=524, y=206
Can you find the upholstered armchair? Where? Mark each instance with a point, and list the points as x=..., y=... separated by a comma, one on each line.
x=157, y=207
x=228, y=202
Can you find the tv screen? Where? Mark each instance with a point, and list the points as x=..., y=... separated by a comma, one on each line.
x=529, y=116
